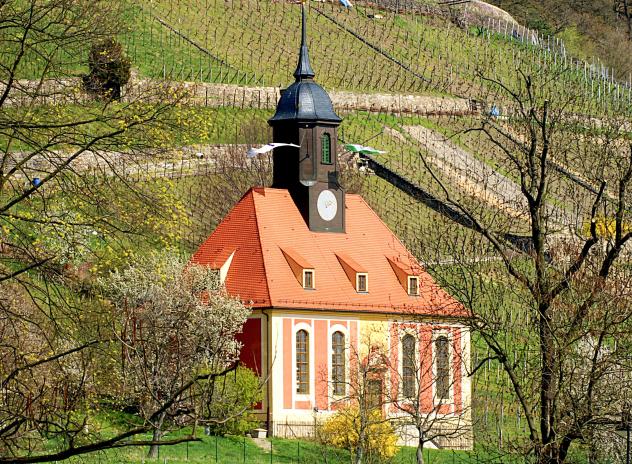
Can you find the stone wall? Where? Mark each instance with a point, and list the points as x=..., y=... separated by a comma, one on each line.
x=220, y=95
x=64, y=91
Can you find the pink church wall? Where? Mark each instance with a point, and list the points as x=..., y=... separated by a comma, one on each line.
x=287, y=363
x=456, y=369
x=322, y=372
x=320, y=350
x=425, y=337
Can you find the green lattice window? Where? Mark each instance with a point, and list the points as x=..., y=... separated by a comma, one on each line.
x=325, y=143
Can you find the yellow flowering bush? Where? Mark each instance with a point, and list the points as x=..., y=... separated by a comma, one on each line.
x=606, y=227
x=342, y=430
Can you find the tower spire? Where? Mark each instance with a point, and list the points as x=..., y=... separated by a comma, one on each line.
x=303, y=68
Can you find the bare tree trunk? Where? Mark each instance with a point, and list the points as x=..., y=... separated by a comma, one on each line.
x=362, y=439
x=547, y=390
x=420, y=447
x=157, y=435
x=359, y=454
x=628, y=17
x=623, y=8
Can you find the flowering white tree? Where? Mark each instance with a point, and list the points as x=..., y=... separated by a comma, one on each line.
x=178, y=328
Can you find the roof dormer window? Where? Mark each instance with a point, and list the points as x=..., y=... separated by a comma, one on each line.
x=357, y=275
x=308, y=279
x=413, y=285
x=362, y=282
x=407, y=272
x=301, y=268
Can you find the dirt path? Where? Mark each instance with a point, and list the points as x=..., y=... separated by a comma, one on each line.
x=262, y=443
x=476, y=179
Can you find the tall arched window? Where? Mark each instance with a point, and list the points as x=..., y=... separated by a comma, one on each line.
x=408, y=366
x=302, y=362
x=442, y=352
x=338, y=363
x=325, y=143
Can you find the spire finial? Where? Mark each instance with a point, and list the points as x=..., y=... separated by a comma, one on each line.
x=304, y=68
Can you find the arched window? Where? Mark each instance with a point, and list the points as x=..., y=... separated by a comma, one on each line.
x=338, y=363
x=374, y=392
x=302, y=362
x=442, y=353
x=325, y=143
x=408, y=366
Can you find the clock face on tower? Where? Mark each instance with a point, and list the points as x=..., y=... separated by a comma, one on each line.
x=327, y=205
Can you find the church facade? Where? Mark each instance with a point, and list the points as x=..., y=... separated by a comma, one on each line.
x=342, y=311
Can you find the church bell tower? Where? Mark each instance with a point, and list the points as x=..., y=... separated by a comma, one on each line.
x=305, y=116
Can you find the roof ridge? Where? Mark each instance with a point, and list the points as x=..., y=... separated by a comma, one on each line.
x=263, y=254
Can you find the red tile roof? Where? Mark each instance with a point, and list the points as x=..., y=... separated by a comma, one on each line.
x=266, y=220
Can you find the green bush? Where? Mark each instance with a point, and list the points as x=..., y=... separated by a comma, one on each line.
x=232, y=397
x=109, y=69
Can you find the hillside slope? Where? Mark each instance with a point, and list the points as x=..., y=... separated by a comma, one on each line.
x=590, y=28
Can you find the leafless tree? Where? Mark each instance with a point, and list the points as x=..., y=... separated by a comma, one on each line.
x=360, y=395
x=554, y=309
x=623, y=8
x=67, y=212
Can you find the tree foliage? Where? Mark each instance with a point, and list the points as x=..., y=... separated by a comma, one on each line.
x=109, y=69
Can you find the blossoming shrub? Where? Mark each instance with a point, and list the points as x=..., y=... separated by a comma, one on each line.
x=342, y=430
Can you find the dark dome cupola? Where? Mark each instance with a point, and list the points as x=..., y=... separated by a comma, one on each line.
x=304, y=100
x=305, y=116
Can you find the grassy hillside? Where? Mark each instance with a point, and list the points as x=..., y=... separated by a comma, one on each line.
x=350, y=49
x=241, y=450
x=367, y=49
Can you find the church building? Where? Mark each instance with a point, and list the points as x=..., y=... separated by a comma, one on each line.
x=331, y=287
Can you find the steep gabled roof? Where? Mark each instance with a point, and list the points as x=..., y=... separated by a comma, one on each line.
x=266, y=221
x=238, y=231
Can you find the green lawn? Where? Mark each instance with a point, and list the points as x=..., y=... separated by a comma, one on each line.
x=238, y=450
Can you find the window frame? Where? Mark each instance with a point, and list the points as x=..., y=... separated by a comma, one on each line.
x=298, y=382
x=378, y=403
x=405, y=394
x=325, y=136
x=313, y=279
x=338, y=385
x=450, y=387
x=415, y=279
x=366, y=282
